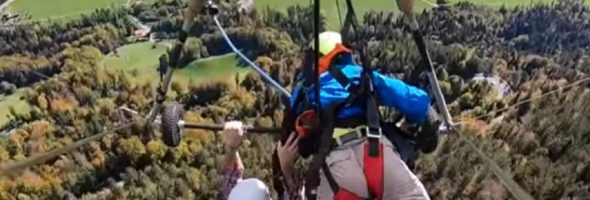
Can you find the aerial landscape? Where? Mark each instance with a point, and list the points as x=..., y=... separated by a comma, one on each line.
x=515, y=76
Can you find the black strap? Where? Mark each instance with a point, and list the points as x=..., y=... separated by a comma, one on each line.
x=339, y=75
x=316, y=54
x=366, y=83
x=330, y=178
x=353, y=90
x=373, y=121
x=367, y=90
x=312, y=179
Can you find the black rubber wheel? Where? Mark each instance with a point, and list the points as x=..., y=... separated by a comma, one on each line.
x=171, y=114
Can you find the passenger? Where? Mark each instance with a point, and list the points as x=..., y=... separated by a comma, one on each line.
x=233, y=187
x=360, y=164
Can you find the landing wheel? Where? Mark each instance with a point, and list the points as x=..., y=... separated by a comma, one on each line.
x=171, y=115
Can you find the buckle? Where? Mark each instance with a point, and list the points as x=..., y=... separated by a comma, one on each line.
x=357, y=130
x=338, y=141
x=371, y=132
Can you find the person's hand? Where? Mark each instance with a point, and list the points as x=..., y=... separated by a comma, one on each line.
x=232, y=133
x=287, y=154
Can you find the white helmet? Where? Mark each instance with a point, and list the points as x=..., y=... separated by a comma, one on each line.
x=250, y=189
x=328, y=41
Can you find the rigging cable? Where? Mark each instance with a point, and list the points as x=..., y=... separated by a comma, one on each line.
x=519, y=103
x=339, y=13
x=261, y=72
x=316, y=54
x=41, y=158
x=505, y=177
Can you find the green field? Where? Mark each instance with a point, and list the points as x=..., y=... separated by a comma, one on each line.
x=138, y=56
x=60, y=9
x=510, y=4
x=142, y=57
x=223, y=66
x=68, y=9
x=330, y=8
x=15, y=101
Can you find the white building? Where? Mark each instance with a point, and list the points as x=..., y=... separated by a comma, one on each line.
x=246, y=5
x=501, y=86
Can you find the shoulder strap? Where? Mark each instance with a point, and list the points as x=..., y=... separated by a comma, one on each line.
x=328, y=124
x=374, y=132
x=312, y=179
x=339, y=76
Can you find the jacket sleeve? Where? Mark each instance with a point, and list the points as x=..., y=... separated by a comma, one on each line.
x=411, y=101
x=231, y=175
x=297, y=194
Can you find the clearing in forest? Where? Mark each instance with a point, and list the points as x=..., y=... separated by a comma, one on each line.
x=13, y=100
x=330, y=8
x=60, y=9
x=145, y=59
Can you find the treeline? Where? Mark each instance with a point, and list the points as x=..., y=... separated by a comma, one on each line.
x=166, y=19
x=37, y=48
x=48, y=38
x=550, y=28
x=297, y=22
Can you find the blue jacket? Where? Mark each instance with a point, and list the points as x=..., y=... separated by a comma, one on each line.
x=411, y=101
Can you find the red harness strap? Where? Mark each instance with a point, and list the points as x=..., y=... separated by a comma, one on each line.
x=373, y=169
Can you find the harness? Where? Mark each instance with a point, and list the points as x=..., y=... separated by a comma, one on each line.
x=321, y=136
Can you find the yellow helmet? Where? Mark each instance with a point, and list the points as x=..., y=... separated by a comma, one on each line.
x=328, y=41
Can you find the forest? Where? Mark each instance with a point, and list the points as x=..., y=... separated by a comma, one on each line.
x=39, y=47
x=536, y=49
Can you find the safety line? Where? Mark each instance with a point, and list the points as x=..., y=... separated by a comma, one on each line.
x=515, y=189
x=491, y=113
x=14, y=167
x=339, y=13
x=40, y=74
x=260, y=71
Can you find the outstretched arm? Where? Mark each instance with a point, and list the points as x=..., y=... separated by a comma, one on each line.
x=233, y=168
x=194, y=7
x=411, y=101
